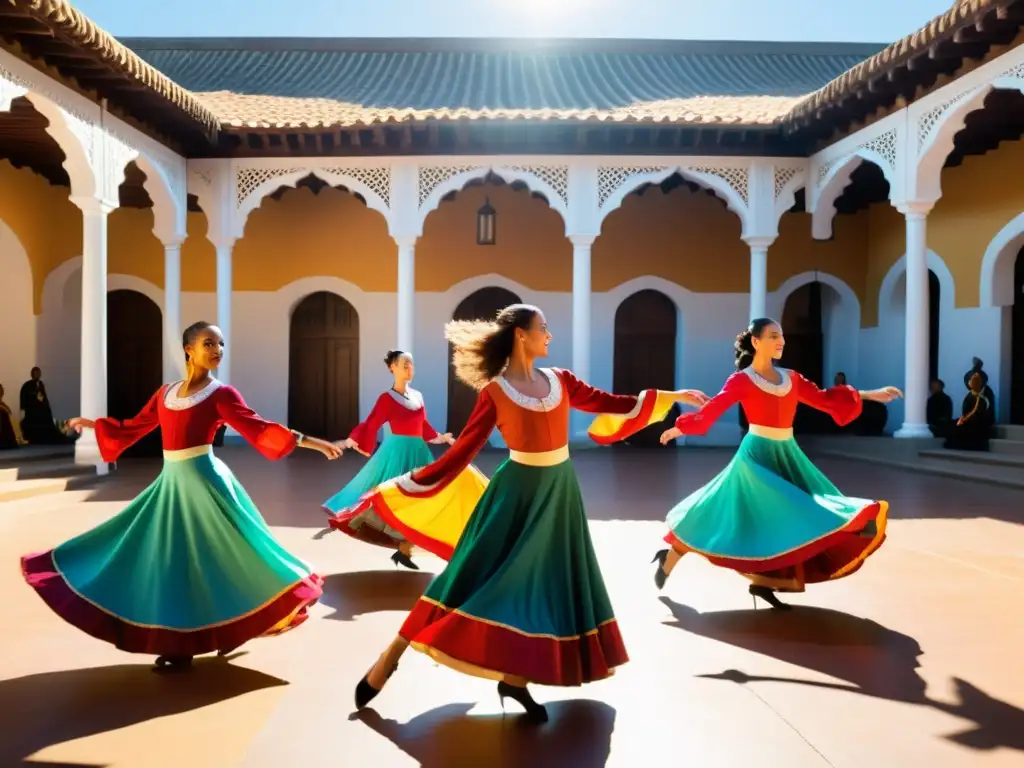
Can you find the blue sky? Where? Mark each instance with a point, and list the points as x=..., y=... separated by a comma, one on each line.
x=820, y=20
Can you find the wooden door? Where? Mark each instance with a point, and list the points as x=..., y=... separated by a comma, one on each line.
x=134, y=361
x=805, y=351
x=1017, y=344
x=644, y=353
x=323, y=367
x=484, y=304
x=934, y=331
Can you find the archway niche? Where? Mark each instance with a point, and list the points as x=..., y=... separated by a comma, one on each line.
x=644, y=353
x=1017, y=343
x=323, y=366
x=934, y=316
x=134, y=361
x=483, y=304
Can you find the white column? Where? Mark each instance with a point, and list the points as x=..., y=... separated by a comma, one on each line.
x=581, y=305
x=758, y=276
x=174, y=358
x=93, y=400
x=224, y=307
x=406, y=293
x=915, y=420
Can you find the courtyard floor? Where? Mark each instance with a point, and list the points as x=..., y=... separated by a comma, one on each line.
x=915, y=660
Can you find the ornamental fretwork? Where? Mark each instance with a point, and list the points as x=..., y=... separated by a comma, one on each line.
x=612, y=177
x=782, y=177
x=738, y=179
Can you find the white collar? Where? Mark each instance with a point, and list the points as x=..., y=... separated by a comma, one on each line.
x=413, y=400
x=548, y=403
x=175, y=403
x=779, y=390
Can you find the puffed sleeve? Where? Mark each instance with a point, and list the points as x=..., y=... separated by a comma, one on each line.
x=699, y=422
x=468, y=444
x=619, y=416
x=365, y=434
x=843, y=403
x=273, y=440
x=115, y=436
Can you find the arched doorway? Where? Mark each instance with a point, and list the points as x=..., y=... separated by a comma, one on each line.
x=644, y=354
x=483, y=304
x=802, y=324
x=134, y=360
x=1017, y=343
x=323, y=367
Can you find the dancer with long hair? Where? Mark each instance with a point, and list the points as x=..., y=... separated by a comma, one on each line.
x=189, y=567
x=771, y=514
x=522, y=599
x=404, y=450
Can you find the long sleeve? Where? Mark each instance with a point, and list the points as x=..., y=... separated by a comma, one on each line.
x=365, y=434
x=843, y=403
x=429, y=433
x=479, y=427
x=114, y=437
x=273, y=440
x=699, y=422
x=620, y=416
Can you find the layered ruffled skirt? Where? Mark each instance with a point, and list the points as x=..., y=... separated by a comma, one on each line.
x=189, y=567
x=523, y=593
x=435, y=522
x=774, y=517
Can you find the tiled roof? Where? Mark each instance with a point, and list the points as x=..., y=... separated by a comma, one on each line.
x=308, y=83
x=64, y=20
x=941, y=27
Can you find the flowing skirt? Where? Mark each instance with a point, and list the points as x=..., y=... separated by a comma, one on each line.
x=189, y=567
x=434, y=523
x=523, y=594
x=774, y=517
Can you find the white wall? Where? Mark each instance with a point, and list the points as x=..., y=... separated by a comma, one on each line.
x=17, y=318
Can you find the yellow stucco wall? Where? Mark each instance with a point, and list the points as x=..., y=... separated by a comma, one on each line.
x=686, y=237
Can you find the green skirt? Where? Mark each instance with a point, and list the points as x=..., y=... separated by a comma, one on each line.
x=772, y=513
x=523, y=593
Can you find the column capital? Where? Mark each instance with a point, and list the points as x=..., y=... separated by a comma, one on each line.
x=92, y=205
x=759, y=241
x=223, y=243
x=405, y=241
x=582, y=241
x=915, y=209
x=172, y=243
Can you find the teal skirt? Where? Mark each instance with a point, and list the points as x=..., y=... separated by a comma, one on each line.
x=523, y=593
x=396, y=456
x=188, y=567
x=772, y=512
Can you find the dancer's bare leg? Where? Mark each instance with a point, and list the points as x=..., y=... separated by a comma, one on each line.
x=672, y=560
x=382, y=670
x=518, y=682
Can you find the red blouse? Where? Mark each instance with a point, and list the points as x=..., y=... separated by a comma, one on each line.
x=193, y=421
x=528, y=424
x=769, y=405
x=406, y=415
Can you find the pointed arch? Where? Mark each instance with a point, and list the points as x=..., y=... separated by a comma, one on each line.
x=996, y=283
x=835, y=182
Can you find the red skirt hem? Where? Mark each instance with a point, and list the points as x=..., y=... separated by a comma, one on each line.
x=364, y=533
x=842, y=547
x=286, y=612
x=416, y=538
x=544, y=660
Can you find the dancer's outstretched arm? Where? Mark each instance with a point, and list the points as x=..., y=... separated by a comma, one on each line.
x=273, y=440
x=115, y=436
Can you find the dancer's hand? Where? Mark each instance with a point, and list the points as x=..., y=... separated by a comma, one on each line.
x=446, y=438
x=693, y=397
x=330, y=450
x=883, y=395
x=670, y=434
x=78, y=424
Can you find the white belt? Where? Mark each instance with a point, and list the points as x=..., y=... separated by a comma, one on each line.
x=188, y=453
x=541, y=459
x=772, y=433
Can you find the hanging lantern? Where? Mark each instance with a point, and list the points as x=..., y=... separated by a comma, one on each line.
x=485, y=224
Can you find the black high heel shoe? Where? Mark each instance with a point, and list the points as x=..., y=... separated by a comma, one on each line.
x=365, y=693
x=172, y=662
x=400, y=558
x=768, y=595
x=660, y=577
x=534, y=711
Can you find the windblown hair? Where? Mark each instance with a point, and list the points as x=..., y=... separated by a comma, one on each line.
x=192, y=332
x=392, y=357
x=482, y=347
x=744, y=346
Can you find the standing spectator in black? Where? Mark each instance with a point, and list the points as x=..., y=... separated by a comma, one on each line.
x=940, y=409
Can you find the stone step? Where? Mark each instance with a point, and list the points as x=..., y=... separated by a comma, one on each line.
x=33, y=453
x=1007, y=447
x=980, y=458
x=25, y=489
x=1010, y=432
x=45, y=468
x=988, y=474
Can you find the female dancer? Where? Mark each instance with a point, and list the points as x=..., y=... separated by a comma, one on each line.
x=522, y=599
x=770, y=514
x=189, y=567
x=406, y=449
